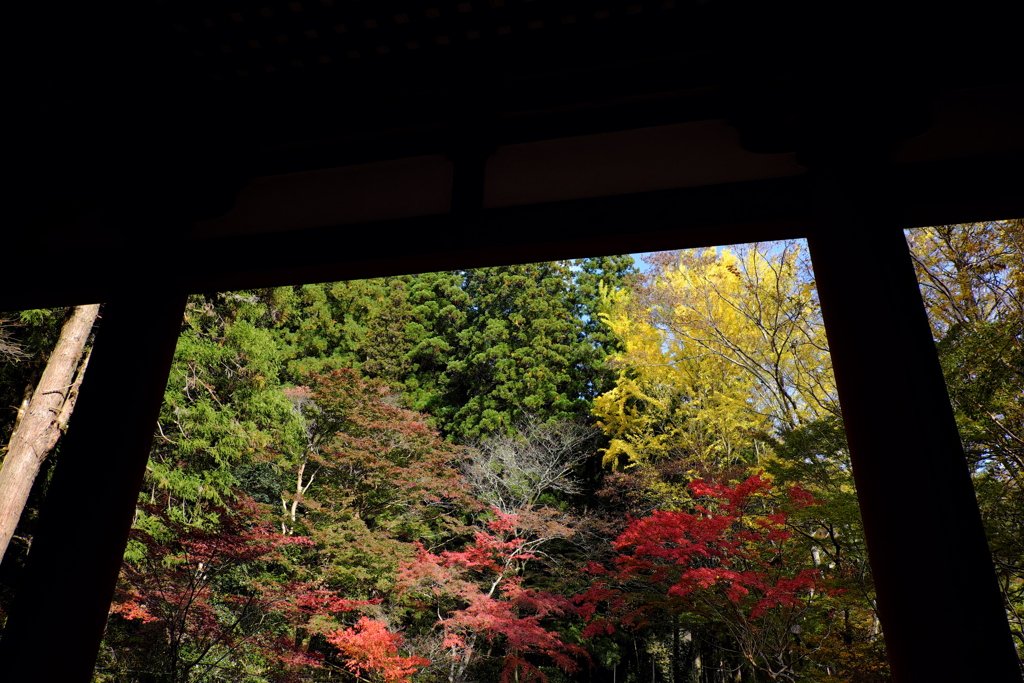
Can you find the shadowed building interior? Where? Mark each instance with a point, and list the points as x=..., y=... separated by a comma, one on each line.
x=166, y=148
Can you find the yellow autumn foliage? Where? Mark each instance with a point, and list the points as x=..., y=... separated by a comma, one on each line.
x=719, y=347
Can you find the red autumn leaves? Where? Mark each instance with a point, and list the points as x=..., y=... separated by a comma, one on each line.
x=481, y=590
x=369, y=648
x=731, y=548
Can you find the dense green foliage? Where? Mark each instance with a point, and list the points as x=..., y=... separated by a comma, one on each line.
x=476, y=350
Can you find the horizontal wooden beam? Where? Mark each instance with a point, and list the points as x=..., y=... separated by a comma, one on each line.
x=41, y=271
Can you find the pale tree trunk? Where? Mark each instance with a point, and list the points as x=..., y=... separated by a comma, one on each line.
x=41, y=422
x=291, y=507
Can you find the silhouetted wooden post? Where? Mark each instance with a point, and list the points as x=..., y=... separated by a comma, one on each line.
x=60, y=610
x=938, y=599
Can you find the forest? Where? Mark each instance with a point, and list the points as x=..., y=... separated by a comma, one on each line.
x=588, y=470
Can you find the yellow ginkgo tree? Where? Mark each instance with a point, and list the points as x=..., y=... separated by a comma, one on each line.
x=719, y=346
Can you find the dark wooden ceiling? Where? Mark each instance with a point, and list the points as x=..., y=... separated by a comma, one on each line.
x=134, y=121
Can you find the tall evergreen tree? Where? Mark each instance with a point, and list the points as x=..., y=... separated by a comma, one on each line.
x=532, y=344
x=592, y=374
x=476, y=349
x=223, y=406
x=440, y=306
x=515, y=352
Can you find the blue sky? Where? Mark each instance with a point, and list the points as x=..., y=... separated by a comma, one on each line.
x=638, y=257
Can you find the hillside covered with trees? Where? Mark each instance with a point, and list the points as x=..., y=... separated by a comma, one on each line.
x=567, y=471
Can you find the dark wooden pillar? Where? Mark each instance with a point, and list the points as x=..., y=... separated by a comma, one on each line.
x=60, y=610
x=938, y=599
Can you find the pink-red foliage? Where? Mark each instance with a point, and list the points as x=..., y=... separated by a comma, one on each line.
x=481, y=587
x=217, y=585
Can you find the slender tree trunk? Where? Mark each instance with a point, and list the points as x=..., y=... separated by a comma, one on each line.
x=674, y=666
x=41, y=423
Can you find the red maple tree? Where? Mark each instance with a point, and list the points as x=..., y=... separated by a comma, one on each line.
x=729, y=559
x=481, y=590
x=368, y=647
